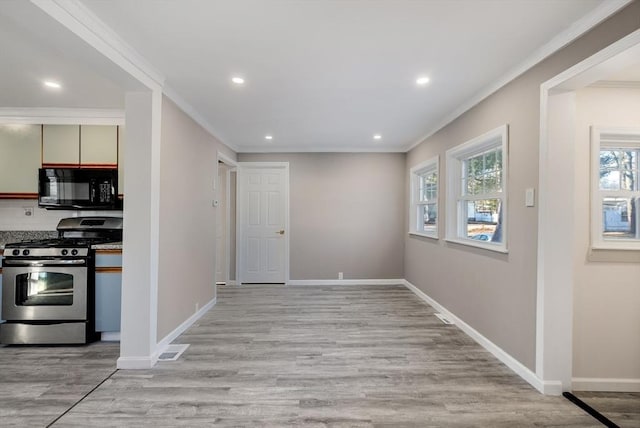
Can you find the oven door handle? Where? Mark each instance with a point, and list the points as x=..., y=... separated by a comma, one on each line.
x=44, y=262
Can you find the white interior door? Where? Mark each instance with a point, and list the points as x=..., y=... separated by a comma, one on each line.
x=263, y=201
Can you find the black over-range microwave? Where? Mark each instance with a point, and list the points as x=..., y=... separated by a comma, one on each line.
x=78, y=188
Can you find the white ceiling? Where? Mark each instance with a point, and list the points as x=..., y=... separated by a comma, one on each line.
x=320, y=75
x=35, y=48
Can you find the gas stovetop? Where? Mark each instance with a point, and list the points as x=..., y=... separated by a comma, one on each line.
x=77, y=235
x=58, y=243
x=56, y=247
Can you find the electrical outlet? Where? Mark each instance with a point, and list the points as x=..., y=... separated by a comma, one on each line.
x=197, y=306
x=28, y=211
x=340, y=275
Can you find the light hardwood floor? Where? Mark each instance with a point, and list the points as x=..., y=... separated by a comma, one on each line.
x=39, y=383
x=270, y=355
x=621, y=408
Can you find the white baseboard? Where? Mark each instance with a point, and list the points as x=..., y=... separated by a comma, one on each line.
x=546, y=387
x=345, y=281
x=135, y=363
x=110, y=336
x=163, y=345
x=147, y=362
x=605, y=384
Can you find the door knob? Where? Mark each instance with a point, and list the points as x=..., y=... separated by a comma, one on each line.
x=280, y=232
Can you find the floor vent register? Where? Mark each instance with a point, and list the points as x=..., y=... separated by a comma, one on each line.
x=173, y=352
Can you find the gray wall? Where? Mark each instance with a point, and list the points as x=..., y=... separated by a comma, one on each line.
x=187, y=218
x=496, y=293
x=606, y=306
x=346, y=214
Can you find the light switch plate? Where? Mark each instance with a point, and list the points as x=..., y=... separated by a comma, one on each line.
x=530, y=197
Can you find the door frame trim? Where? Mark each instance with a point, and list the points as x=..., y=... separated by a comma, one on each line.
x=554, y=299
x=242, y=168
x=233, y=167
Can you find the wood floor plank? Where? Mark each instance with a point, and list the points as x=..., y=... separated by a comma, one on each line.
x=291, y=356
x=39, y=383
x=622, y=408
x=326, y=356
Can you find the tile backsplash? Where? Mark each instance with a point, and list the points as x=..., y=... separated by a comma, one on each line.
x=13, y=215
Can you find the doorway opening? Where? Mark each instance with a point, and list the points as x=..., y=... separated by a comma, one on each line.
x=588, y=322
x=225, y=204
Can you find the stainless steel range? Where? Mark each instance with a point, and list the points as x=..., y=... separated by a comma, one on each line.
x=48, y=286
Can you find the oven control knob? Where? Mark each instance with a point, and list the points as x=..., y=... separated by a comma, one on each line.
x=25, y=252
x=74, y=252
x=65, y=252
x=15, y=252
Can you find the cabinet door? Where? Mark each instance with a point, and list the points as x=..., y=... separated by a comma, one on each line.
x=19, y=160
x=61, y=145
x=108, y=301
x=99, y=146
x=121, y=160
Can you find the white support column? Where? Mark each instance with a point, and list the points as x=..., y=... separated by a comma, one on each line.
x=555, y=245
x=141, y=231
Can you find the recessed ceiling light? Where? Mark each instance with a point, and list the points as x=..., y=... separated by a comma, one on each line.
x=377, y=137
x=237, y=80
x=52, y=84
x=268, y=137
x=423, y=80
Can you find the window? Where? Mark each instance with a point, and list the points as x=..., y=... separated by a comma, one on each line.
x=615, y=191
x=424, y=199
x=476, y=197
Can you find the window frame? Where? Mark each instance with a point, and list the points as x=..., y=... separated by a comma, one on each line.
x=428, y=167
x=614, y=138
x=456, y=200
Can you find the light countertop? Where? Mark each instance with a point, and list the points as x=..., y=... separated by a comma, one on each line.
x=109, y=246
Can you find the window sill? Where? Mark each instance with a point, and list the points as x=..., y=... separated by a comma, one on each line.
x=424, y=235
x=605, y=247
x=485, y=246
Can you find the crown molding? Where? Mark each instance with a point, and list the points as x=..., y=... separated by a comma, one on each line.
x=85, y=24
x=61, y=116
x=577, y=29
x=314, y=149
x=77, y=18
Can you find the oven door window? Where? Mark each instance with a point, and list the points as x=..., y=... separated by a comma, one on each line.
x=44, y=289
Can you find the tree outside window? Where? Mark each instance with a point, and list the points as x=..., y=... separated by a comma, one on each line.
x=615, y=190
x=476, y=200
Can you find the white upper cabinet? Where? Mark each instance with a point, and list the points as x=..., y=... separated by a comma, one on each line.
x=61, y=144
x=99, y=145
x=80, y=145
x=25, y=148
x=19, y=158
